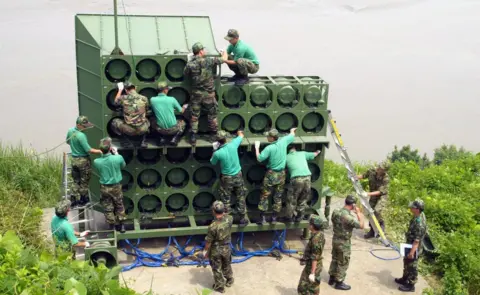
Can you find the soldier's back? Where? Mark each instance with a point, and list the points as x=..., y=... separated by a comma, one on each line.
x=343, y=224
x=135, y=108
x=201, y=70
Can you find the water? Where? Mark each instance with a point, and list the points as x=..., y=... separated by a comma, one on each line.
x=401, y=71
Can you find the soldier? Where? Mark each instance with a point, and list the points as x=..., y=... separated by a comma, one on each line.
x=231, y=178
x=276, y=153
x=343, y=224
x=64, y=236
x=218, y=247
x=164, y=122
x=240, y=58
x=201, y=71
x=300, y=181
x=109, y=167
x=135, y=108
x=81, y=163
x=309, y=283
x=414, y=236
x=378, y=183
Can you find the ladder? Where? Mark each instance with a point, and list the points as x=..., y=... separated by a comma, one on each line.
x=352, y=175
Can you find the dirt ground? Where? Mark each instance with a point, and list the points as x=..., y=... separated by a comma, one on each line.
x=267, y=275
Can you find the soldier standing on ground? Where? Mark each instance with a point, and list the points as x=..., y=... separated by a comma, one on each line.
x=300, y=182
x=414, y=236
x=201, y=71
x=164, y=122
x=276, y=153
x=135, y=108
x=217, y=248
x=231, y=178
x=343, y=224
x=81, y=162
x=309, y=283
x=110, y=167
x=378, y=183
x=240, y=58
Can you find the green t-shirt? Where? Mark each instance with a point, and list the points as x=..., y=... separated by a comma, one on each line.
x=163, y=106
x=242, y=50
x=228, y=157
x=78, y=142
x=63, y=233
x=276, y=152
x=297, y=164
x=110, y=168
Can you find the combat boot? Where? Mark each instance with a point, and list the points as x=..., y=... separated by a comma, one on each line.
x=111, y=226
x=298, y=218
x=241, y=81
x=407, y=288
x=193, y=139
x=370, y=234
x=342, y=286
x=400, y=281
x=176, y=139
x=144, y=142
x=233, y=79
x=274, y=218
x=331, y=280
x=229, y=283
x=262, y=220
x=84, y=200
x=243, y=222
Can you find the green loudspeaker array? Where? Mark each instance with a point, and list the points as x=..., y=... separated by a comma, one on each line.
x=315, y=92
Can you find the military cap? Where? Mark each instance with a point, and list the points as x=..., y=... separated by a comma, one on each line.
x=105, y=143
x=83, y=121
x=384, y=165
x=222, y=135
x=162, y=85
x=218, y=207
x=128, y=84
x=62, y=207
x=318, y=221
x=349, y=200
x=417, y=204
x=197, y=47
x=231, y=34
x=272, y=133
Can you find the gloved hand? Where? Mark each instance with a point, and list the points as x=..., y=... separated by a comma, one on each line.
x=364, y=195
x=114, y=150
x=185, y=106
x=216, y=145
x=257, y=144
x=311, y=278
x=84, y=233
x=120, y=86
x=87, y=244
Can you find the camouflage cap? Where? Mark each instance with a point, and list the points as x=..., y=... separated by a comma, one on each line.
x=231, y=34
x=272, y=133
x=218, y=207
x=222, y=134
x=197, y=47
x=162, y=85
x=384, y=165
x=349, y=200
x=319, y=222
x=83, y=121
x=62, y=207
x=417, y=204
x=105, y=143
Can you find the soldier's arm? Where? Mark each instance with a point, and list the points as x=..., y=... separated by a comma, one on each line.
x=419, y=233
x=264, y=154
x=186, y=71
x=121, y=161
x=86, y=147
x=209, y=239
x=238, y=140
x=310, y=156
x=214, y=159
x=382, y=190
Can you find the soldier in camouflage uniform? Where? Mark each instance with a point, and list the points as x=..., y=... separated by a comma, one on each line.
x=231, y=178
x=276, y=154
x=81, y=163
x=343, y=224
x=309, y=283
x=414, y=236
x=201, y=72
x=217, y=247
x=135, y=108
x=378, y=183
x=300, y=182
x=109, y=167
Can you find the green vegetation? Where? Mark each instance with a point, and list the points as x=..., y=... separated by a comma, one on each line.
x=450, y=187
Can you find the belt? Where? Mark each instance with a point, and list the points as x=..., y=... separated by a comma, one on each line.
x=221, y=244
x=299, y=176
x=81, y=156
x=110, y=184
x=281, y=170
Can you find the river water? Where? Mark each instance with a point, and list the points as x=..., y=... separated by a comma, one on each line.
x=401, y=71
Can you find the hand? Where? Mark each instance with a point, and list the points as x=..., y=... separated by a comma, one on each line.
x=120, y=86
x=311, y=277
x=114, y=150
x=216, y=145
x=257, y=144
x=240, y=133
x=357, y=210
x=185, y=106
x=293, y=130
x=87, y=244
x=410, y=255
x=84, y=233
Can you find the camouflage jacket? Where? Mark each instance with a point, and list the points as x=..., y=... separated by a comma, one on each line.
x=417, y=230
x=135, y=108
x=314, y=249
x=201, y=71
x=220, y=231
x=376, y=184
x=343, y=224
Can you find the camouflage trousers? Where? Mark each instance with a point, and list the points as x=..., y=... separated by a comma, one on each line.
x=202, y=100
x=378, y=205
x=81, y=174
x=233, y=185
x=297, y=195
x=340, y=259
x=243, y=67
x=179, y=127
x=112, y=203
x=120, y=127
x=220, y=258
x=410, y=270
x=273, y=181
x=305, y=287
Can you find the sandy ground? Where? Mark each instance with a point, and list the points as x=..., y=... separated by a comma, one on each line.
x=267, y=275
